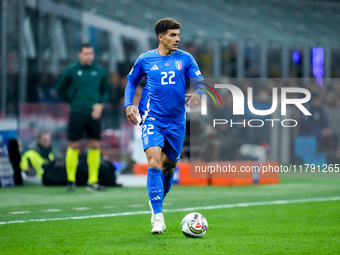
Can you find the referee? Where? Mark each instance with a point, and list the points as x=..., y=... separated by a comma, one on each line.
x=84, y=85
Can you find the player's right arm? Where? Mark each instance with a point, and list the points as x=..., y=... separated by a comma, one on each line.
x=63, y=84
x=134, y=78
x=131, y=112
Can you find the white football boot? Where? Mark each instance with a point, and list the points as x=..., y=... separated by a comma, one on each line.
x=152, y=214
x=159, y=224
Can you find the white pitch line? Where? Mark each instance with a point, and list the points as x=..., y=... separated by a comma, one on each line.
x=275, y=202
x=20, y=212
x=51, y=210
x=108, y=206
x=81, y=208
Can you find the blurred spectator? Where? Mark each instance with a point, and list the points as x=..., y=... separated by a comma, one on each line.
x=112, y=111
x=41, y=88
x=230, y=138
x=123, y=82
x=116, y=90
x=317, y=125
x=222, y=142
x=39, y=153
x=46, y=89
x=191, y=47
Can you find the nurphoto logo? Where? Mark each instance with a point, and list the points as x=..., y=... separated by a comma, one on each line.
x=239, y=103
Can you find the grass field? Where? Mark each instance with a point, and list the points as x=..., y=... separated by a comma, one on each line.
x=287, y=220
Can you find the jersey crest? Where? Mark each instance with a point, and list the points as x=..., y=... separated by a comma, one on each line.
x=178, y=64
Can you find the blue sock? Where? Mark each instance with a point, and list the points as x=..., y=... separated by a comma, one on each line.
x=155, y=189
x=167, y=182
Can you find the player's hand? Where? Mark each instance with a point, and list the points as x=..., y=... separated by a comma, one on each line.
x=194, y=100
x=131, y=112
x=97, y=110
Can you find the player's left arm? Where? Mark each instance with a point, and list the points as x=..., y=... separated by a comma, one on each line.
x=196, y=78
x=97, y=108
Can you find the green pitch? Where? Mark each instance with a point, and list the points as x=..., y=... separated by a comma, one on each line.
x=118, y=221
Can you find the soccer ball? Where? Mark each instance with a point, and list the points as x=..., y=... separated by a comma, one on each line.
x=194, y=225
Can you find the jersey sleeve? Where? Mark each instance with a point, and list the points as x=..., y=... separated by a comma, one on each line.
x=137, y=72
x=134, y=77
x=193, y=70
x=196, y=78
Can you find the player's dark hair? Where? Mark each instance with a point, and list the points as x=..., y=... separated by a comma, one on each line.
x=162, y=26
x=84, y=45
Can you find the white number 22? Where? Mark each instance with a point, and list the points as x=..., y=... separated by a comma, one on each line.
x=147, y=130
x=165, y=75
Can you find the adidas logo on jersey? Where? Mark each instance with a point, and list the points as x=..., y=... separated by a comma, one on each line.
x=155, y=67
x=156, y=198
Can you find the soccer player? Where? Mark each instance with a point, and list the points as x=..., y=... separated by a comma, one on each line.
x=162, y=110
x=85, y=86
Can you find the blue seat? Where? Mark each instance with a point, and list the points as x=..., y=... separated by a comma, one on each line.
x=305, y=146
x=318, y=159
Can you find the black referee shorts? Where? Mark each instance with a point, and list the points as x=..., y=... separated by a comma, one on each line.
x=81, y=124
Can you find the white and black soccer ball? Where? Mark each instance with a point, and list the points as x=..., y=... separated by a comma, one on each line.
x=194, y=225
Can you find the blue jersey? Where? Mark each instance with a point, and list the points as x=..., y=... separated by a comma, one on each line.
x=163, y=98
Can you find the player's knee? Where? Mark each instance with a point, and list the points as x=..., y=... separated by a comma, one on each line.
x=74, y=145
x=168, y=168
x=154, y=162
x=94, y=144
